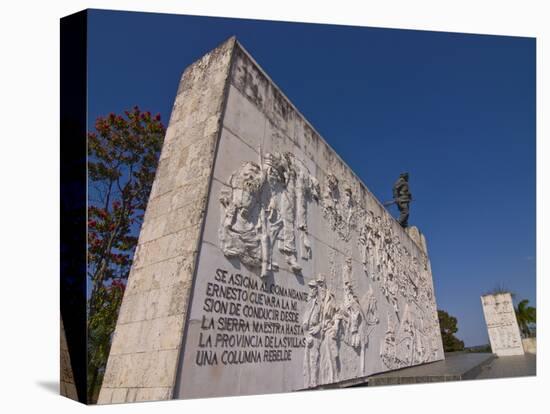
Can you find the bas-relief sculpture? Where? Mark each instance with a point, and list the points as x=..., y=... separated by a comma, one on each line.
x=293, y=276
x=339, y=207
x=266, y=204
x=327, y=323
x=335, y=288
x=502, y=324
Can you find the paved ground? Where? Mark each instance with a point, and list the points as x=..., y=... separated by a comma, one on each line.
x=510, y=366
x=454, y=367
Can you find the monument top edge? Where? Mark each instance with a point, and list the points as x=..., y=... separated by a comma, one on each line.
x=496, y=294
x=233, y=42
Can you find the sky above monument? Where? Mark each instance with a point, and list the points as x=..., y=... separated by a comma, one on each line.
x=457, y=111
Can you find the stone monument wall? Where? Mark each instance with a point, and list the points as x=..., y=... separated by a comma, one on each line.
x=280, y=272
x=67, y=386
x=303, y=278
x=502, y=324
x=148, y=336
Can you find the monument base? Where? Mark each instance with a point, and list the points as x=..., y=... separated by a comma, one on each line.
x=455, y=367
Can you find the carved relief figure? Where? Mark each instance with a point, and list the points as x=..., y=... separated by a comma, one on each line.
x=379, y=246
x=307, y=190
x=331, y=328
x=363, y=242
x=411, y=343
x=388, y=346
x=331, y=195
x=368, y=247
x=420, y=351
x=279, y=211
x=312, y=325
x=359, y=323
x=347, y=214
x=321, y=324
x=341, y=322
x=239, y=231
x=353, y=317
x=390, y=289
x=371, y=308
x=405, y=339
x=352, y=313
x=338, y=207
x=265, y=205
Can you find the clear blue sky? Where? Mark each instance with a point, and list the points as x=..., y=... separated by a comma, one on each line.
x=455, y=110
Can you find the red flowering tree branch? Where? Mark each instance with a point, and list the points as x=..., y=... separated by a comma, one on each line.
x=123, y=154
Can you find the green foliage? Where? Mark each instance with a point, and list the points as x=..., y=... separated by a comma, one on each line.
x=100, y=330
x=481, y=348
x=449, y=326
x=123, y=154
x=527, y=318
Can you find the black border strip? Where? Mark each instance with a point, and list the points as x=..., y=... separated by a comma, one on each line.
x=73, y=99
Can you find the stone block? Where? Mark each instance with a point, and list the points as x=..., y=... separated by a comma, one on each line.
x=502, y=324
x=119, y=395
x=152, y=394
x=146, y=344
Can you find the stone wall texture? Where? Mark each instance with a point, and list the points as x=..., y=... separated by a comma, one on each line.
x=502, y=324
x=264, y=264
x=67, y=386
x=148, y=337
x=303, y=278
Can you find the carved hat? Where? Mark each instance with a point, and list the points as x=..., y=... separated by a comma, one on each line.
x=320, y=281
x=312, y=284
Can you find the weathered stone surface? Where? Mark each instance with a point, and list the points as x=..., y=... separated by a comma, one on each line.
x=285, y=212
x=264, y=264
x=417, y=237
x=67, y=386
x=146, y=345
x=502, y=324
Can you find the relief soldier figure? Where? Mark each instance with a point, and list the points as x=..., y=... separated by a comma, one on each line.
x=276, y=203
x=402, y=197
x=332, y=319
x=367, y=244
x=353, y=316
x=265, y=205
x=239, y=231
x=312, y=325
x=388, y=345
x=307, y=190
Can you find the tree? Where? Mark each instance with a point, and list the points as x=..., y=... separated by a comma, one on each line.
x=123, y=155
x=448, y=325
x=527, y=317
